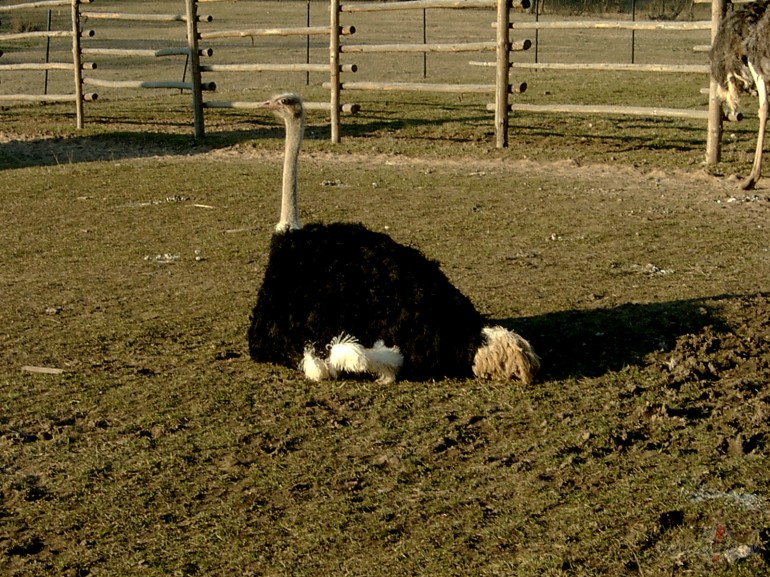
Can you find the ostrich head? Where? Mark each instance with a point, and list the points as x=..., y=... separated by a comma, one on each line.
x=289, y=107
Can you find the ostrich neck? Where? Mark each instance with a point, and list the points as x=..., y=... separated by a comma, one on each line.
x=289, y=212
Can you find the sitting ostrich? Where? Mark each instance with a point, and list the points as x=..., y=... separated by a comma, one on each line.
x=372, y=305
x=740, y=63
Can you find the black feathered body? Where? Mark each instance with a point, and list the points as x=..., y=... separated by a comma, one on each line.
x=324, y=280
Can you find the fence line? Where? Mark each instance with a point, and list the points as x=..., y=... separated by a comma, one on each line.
x=502, y=45
x=75, y=65
x=332, y=67
x=617, y=67
x=191, y=52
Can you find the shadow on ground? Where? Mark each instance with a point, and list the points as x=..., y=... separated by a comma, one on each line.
x=590, y=343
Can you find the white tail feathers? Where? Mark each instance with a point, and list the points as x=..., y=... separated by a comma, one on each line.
x=505, y=355
x=384, y=362
x=315, y=368
x=347, y=355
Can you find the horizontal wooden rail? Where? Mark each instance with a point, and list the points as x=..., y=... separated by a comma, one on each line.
x=146, y=84
x=377, y=48
x=347, y=108
x=142, y=17
x=274, y=68
x=42, y=4
x=143, y=52
x=608, y=25
x=36, y=34
x=47, y=97
x=418, y=87
x=424, y=4
x=298, y=31
x=617, y=67
x=416, y=5
x=47, y=66
x=608, y=110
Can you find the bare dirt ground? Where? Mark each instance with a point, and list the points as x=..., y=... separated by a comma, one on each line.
x=138, y=438
x=162, y=449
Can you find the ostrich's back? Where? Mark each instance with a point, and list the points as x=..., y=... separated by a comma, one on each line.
x=757, y=44
x=729, y=51
x=323, y=280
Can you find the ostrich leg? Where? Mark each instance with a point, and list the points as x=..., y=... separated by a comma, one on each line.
x=764, y=108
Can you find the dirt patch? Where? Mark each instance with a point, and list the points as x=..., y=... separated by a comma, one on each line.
x=160, y=448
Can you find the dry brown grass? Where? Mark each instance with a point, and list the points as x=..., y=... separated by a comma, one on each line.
x=161, y=449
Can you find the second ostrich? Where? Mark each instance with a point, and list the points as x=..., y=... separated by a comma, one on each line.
x=740, y=63
x=339, y=298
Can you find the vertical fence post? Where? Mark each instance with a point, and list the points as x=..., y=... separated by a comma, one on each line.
x=714, y=135
x=307, y=45
x=334, y=68
x=537, y=30
x=503, y=66
x=47, y=52
x=633, y=32
x=77, y=65
x=424, y=41
x=195, y=68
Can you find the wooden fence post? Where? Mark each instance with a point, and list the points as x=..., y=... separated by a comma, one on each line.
x=195, y=68
x=77, y=65
x=503, y=66
x=715, y=116
x=334, y=68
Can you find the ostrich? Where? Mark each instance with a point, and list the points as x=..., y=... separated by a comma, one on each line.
x=373, y=305
x=740, y=63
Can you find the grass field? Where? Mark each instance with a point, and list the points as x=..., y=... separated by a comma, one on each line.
x=132, y=258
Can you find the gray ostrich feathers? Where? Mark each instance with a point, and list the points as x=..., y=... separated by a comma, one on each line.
x=740, y=64
x=340, y=299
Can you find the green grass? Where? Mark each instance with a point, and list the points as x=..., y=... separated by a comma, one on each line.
x=162, y=449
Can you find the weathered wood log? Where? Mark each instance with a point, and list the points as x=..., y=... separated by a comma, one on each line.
x=416, y=5
x=424, y=4
x=42, y=370
x=609, y=25
x=298, y=31
x=36, y=35
x=346, y=108
x=38, y=66
x=460, y=47
x=417, y=87
x=135, y=17
x=42, y=4
x=270, y=67
x=618, y=67
x=209, y=86
x=265, y=67
x=39, y=97
x=144, y=52
x=656, y=112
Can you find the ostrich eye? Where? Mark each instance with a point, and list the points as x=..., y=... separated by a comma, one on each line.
x=284, y=101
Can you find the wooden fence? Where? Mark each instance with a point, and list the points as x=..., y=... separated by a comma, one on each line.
x=713, y=115
x=338, y=35
x=501, y=45
x=75, y=64
x=332, y=67
x=192, y=53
